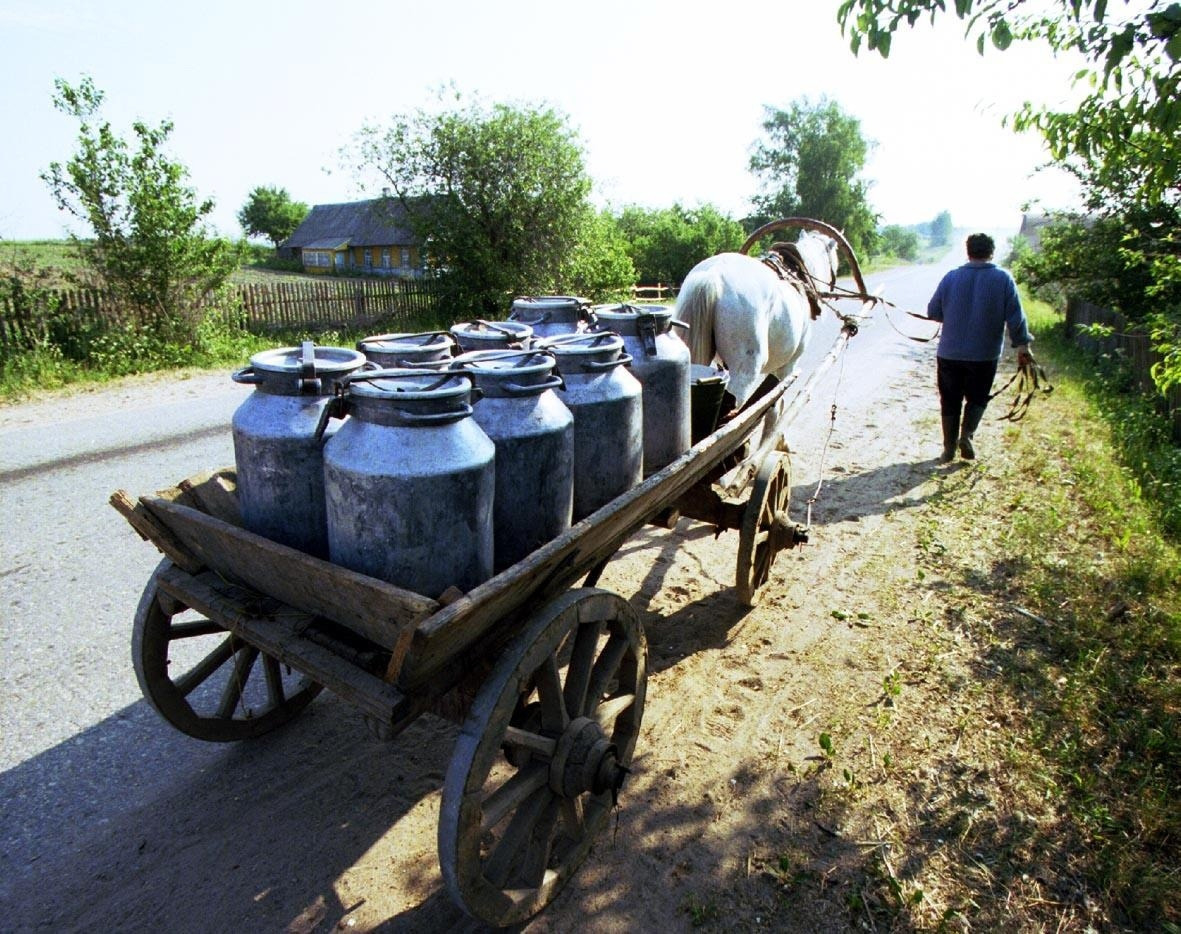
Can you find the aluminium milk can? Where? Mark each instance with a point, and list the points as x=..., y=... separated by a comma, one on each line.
x=552, y=315
x=396, y=350
x=409, y=480
x=534, y=436
x=605, y=400
x=660, y=361
x=276, y=451
x=491, y=335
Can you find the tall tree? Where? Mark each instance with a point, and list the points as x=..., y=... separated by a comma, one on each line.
x=499, y=194
x=269, y=212
x=150, y=245
x=665, y=244
x=809, y=164
x=941, y=229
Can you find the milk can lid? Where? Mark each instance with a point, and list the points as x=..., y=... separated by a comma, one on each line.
x=627, y=312
x=493, y=330
x=506, y=364
x=328, y=361
x=400, y=385
x=394, y=343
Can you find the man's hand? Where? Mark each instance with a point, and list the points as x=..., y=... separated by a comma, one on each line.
x=1024, y=357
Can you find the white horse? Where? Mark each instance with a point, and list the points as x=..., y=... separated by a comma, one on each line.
x=745, y=313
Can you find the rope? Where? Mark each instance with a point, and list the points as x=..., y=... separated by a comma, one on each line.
x=832, y=423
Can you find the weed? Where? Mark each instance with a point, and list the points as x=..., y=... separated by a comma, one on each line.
x=701, y=912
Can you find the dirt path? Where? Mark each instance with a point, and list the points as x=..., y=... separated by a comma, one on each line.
x=825, y=761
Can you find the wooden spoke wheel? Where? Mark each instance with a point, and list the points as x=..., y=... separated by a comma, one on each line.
x=766, y=529
x=205, y=681
x=542, y=756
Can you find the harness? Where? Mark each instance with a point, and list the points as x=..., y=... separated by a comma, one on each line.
x=786, y=262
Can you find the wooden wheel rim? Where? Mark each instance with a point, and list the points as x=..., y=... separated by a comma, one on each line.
x=544, y=835
x=757, y=542
x=242, y=666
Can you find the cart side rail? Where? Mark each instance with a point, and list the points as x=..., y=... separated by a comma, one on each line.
x=441, y=639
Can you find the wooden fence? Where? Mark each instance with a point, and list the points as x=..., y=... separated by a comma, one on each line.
x=353, y=304
x=1134, y=346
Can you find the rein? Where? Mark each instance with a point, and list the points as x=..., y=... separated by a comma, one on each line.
x=1031, y=378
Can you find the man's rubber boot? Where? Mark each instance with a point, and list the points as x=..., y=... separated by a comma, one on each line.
x=972, y=416
x=951, y=428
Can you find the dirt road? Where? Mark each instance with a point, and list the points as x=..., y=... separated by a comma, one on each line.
x=122, y=824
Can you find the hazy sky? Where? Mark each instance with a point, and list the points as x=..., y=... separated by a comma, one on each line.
x=667, y=96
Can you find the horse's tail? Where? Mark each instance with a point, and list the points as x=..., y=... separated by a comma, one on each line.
x=697, y=303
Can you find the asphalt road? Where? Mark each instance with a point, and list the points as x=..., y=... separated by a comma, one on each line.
x=94, y=787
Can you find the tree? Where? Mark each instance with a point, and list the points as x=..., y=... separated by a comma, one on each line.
x=809, y=165
x=150, y=245
x=500, y=196
x=941, y=229
x=599, y=267
x=269, y=212
x=665, y=244
x=898, y=241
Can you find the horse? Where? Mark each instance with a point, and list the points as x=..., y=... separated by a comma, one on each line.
x=753, y=314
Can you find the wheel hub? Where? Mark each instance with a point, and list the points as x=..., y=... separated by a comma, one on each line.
x=585, y=760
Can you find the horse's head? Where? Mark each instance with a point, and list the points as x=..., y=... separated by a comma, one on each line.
x=819, y=252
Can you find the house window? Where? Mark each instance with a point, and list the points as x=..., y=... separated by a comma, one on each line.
x=316, y=258
x=368, y=258
x=405, y=257
x=385, y=258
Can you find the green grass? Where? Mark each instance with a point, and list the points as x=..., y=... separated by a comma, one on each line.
x=1097, y=542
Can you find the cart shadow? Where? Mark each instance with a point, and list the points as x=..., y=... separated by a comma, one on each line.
x=130, y=825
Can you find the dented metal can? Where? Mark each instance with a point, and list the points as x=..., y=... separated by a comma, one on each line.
x=409, y=482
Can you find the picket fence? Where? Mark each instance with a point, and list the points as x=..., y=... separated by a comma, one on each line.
x=1134, y=346
x=353, y=304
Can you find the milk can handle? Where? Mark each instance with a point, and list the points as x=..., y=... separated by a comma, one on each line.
x=247, y=376
x=623, y=359
x=542, y=319
x=534, y=389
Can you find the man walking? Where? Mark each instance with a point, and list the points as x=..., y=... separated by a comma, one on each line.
x=975, y=302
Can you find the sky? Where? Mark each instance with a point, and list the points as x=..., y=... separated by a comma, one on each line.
x=667, y=97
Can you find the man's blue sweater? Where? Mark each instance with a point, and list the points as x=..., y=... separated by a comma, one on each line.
x=975, y=302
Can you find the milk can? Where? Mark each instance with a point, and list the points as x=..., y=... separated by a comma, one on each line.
x=409, y=481
x=492, y=335
x=660, y=361
x=605, y=400
x=278, y=457
x=395, y=350
x=552, y=315
x=534, y=436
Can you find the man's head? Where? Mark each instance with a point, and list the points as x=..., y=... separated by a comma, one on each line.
x=980, y=246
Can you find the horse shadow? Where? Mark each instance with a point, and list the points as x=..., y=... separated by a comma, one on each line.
x=848, y=497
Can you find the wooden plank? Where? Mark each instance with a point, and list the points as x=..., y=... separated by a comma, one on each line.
x=558, y=564
x=151, y=530
x=215, y=492
x=374, y=609
x=279, y=634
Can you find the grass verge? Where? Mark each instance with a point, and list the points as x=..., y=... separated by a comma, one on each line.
x=1085, y=505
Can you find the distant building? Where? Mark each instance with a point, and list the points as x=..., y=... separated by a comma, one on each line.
x=372, y=237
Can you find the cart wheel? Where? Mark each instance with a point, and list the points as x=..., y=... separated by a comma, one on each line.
x=542, y=756
x=765, y=526
x=204, y=680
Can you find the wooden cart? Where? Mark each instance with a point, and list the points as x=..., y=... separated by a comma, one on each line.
x=236, y=634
